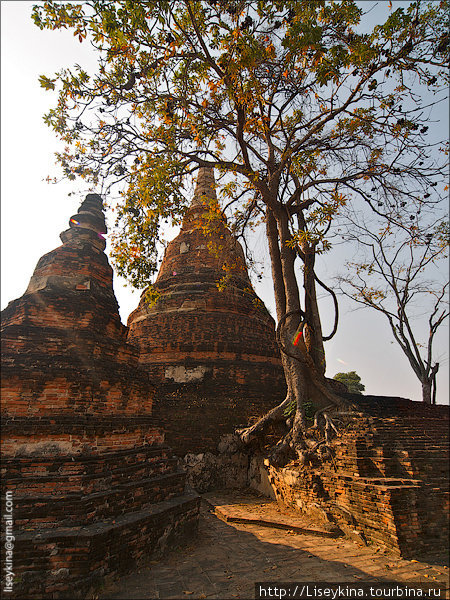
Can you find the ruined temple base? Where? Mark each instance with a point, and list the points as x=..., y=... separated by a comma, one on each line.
x=82, y=518
x=384, y=481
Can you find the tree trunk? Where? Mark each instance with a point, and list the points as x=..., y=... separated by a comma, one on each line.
x=426, y=391
x=433, y=374
x=313, y=333
x=303, y=364
x=313, y=329
x=286, y=298
x=275, y=260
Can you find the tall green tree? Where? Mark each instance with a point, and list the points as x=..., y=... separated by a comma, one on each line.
x=294, y=105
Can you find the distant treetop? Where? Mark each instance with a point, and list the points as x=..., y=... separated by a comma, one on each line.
x=352, y=380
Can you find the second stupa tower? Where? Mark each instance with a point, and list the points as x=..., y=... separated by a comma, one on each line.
x=212, y=353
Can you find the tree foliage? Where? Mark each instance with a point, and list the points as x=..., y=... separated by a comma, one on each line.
x=286, y=95
x=298, y=108
x=352, y=380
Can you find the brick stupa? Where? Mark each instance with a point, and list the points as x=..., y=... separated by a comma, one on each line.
x=93, y=484
x=213, y=352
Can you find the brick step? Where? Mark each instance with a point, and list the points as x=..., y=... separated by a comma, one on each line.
x=431, y=477
x=78, y=546
x=398, y=446
x=427, y=430
x=420, y=421
x=405, y=431
x=88, y=483
x=432, y=473
x=83, y=463
x=417, y=418
x=424, y=425
x=419, y=480
x=385, y=481
x=402, y=455
x=424, y=451
x=245, y=507
x=435, y=464
x=87, y=422
x=71, y=462
x=441, y=484
x=432, y=456
x=53, y=511
x=412, y=438
x=86, y=463
x=406, y=435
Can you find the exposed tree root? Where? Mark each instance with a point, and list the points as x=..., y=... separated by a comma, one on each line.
x=275, y=415
x=300, y=442
x=329, y=425
x=293, y=443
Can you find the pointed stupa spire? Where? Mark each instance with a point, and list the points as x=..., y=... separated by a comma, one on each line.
x=204, y=196
x=89, y=218
x=80, y=263
x=206, y=186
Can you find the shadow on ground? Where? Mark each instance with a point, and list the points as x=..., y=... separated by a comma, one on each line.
x=226, y=560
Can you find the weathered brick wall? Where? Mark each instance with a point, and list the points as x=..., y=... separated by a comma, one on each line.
x=94, y=486
x=86, y=367
x=387, y=477
x=196, y=415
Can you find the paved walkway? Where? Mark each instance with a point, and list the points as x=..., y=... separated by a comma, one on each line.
x=227, y=558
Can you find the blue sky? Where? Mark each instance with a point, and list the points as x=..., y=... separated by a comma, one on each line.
x=34, y=212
